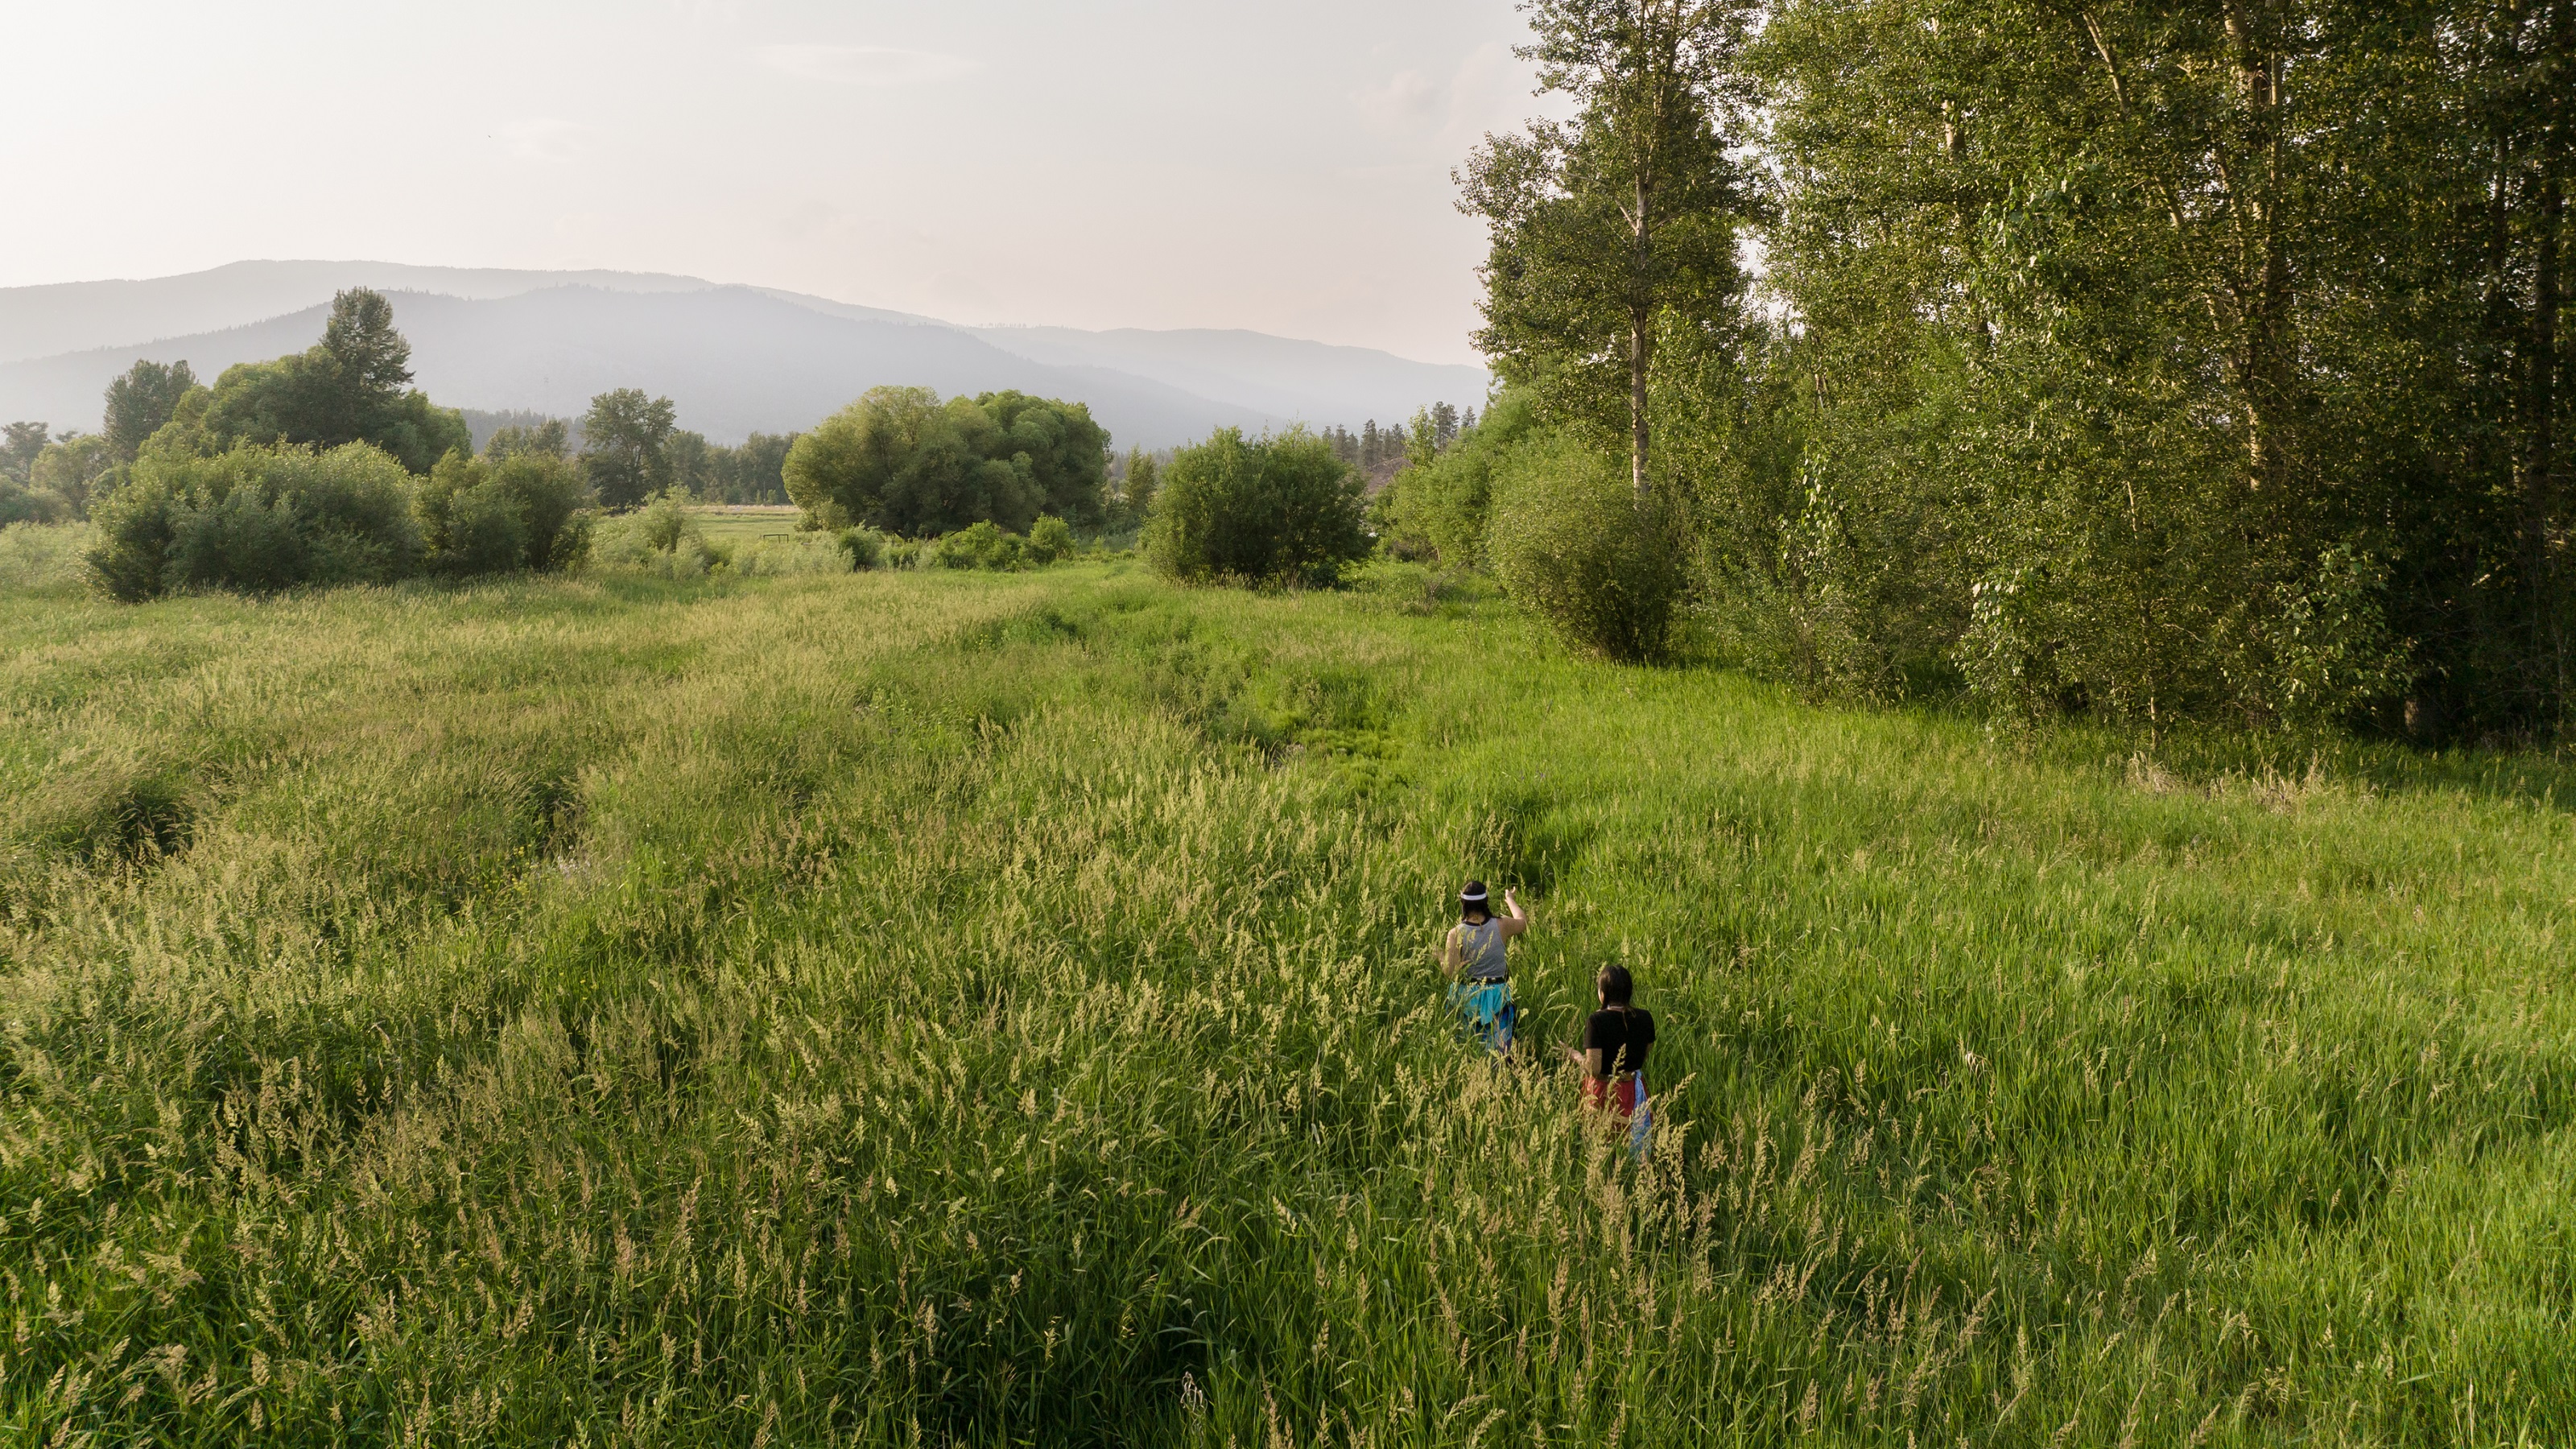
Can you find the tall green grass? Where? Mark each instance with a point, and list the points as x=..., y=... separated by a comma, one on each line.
x=944, y=1008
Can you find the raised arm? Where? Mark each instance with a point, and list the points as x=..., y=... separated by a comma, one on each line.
x=1515, y=920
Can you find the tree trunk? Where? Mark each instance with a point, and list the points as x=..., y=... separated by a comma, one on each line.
x=1641, y=321
x=2266, y=295
x=2539, y=470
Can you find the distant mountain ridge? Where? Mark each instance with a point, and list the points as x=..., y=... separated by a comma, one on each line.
x=735, y=359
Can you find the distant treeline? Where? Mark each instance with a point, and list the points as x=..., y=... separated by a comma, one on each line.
x=747, y=474
x=627, y=446
x=327, y=466
x=1373, y=449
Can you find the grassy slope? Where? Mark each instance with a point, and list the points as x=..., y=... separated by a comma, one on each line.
x=1000, y=1008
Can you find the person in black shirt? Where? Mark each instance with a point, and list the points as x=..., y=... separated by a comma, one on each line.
x=1616, y=1041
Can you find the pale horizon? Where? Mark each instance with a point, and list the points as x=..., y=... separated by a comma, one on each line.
x=1143, y=165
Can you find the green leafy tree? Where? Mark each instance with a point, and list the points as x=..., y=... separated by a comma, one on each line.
x=353, y=386
x=142, y=402
x=20, y=443
x=1066, y=453
x=75, y=468
x=22, y=504
x=1270, y=509
x=626, y=439
x=548, y=439
x=1443, y=508
x=1138, y=478
x=2147, y=353
x=690, y=461
x=902, y=460
x=1603, y=228
x=754, y=472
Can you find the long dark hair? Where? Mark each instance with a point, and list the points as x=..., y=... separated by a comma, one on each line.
x=1472, y=901
x=1618, y=988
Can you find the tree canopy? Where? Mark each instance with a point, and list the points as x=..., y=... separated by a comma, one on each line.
x=1604, y=226
x=2132, y=361
x=20, y=444
x=142, y=402
x=902, y=460
x=351, y=387
x=551, y=438
x=625, y=445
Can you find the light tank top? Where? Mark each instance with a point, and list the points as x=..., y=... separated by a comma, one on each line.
x=1481, y=946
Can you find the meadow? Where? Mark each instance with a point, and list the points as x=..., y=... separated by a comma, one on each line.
x=935, y=1008
x=746, y=522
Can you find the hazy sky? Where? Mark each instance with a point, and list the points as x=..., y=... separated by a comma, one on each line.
x=1280, y=165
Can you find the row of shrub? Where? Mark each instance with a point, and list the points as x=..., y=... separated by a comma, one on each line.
x=263, y=517
x=1551, y=519
x=1555, y=520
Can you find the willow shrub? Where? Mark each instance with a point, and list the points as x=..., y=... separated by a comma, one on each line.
x=1572, y=543
x=256, y=519
x=525, y=511
x=1258, y=510
x=864, y=547
x=663, y=538
x=1445, y=508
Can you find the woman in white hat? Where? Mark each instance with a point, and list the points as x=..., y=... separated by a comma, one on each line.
x=1475, y=956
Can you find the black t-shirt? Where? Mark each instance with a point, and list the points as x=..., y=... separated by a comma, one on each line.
x=1622, y=1037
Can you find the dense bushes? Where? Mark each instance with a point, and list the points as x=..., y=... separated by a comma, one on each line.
x=983, y=546
x=522, y=511
x=901, y=460
x=46, y=480
x=1555, y=516
x=301, y=471
x=22, y=504
x=864, y=547
x=663, y=537
x=1050, y=539
x=1271, y=509
x=1442, y=508
x=262, y=518
x=256, y=518
x=1573, y=543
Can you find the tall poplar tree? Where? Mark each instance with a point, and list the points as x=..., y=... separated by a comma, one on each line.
x=143, y=400
x=1604, y=226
